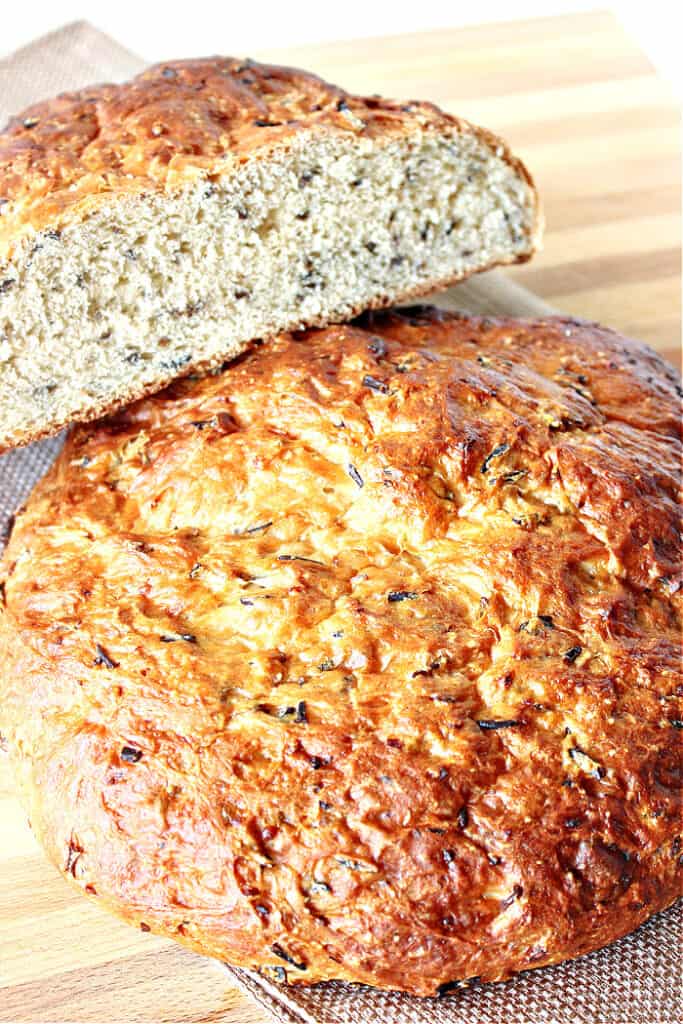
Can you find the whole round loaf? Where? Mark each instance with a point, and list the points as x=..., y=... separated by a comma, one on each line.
x=359, y=659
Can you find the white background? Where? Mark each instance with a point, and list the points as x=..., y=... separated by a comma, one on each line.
x=161, y=31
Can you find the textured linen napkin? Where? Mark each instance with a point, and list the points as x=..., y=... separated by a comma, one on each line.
x=634, y=981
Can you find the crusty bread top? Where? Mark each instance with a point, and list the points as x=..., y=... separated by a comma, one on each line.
x=360, y=659
x=61, y=158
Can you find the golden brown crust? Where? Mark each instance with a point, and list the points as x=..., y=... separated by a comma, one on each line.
x=361, y=659
x=63, y=158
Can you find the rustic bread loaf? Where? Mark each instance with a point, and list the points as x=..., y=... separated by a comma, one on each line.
x=360, y=660
x=151, y=228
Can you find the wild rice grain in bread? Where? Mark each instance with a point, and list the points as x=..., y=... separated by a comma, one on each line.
x=155, y=227
x=361, y=659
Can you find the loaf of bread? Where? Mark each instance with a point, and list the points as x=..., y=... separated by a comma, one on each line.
x=154, y=228
x=361, y=659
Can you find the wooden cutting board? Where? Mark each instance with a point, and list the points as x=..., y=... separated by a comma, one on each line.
x=580, y=103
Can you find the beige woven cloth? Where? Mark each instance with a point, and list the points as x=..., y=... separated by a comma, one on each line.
x=635, y=981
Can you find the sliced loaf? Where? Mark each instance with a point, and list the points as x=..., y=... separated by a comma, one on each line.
x=154, y=228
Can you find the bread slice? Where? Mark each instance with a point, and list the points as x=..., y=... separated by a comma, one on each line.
x=154, y=228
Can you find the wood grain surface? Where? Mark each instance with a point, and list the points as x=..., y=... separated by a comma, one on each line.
x=582, y=106
x=580, y=103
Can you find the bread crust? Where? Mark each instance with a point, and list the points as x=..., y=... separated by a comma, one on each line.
x=63, y=158
x=361, y=659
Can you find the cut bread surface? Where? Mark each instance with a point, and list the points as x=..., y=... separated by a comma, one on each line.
x=105, y=301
